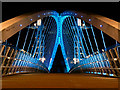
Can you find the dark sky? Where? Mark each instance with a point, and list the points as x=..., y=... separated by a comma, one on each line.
x=108, y=9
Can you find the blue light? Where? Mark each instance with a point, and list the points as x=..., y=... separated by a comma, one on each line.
x=89, y=19
x=101, y=25
x=30, y=19
x=75, y=13
x=111, y=74
x=17, y=72
x=59, y=41
x=95, y=72
x=43, y=13
x=38, y=15
x=99, y=72
x=104, y=74
x=20, y=25
x=81, y=16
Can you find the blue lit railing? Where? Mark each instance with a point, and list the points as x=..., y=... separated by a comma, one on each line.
x=110, y=58
x=19, y=61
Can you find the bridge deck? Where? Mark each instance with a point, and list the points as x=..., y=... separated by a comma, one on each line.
x=59, y=81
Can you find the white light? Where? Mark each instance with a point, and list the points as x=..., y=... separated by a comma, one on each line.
x=83, y=24
x=103, y=50
x=22, y=50
x=43, y=59
x=50, y=59
x=35, y=24
x=79, y=22
x=39, y=22
x=88, y=56
x=8, y=57
x=0, y=41
x=66, y=58
x=101, y=25
x=115, y=59
x=74, y=59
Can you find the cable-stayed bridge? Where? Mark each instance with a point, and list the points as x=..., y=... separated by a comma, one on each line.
x=89, y=43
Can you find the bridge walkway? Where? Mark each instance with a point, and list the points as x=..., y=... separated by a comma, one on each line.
x=59, y=80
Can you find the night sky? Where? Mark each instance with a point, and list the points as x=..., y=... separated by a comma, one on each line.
x=10, y=10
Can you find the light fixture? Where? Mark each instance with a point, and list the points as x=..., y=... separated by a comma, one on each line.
x=103, y=50
x=20, y=25
x=38, y=15
x=101, y=25
x=35, y=24
x=75, y=13
x=115, y=59
x=89, y=19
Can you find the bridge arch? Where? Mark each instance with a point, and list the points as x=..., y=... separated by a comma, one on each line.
x=12, y=26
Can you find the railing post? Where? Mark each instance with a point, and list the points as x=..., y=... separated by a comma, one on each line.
x=109, y=59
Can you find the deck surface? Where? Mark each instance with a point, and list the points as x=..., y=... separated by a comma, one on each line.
x=58, y=81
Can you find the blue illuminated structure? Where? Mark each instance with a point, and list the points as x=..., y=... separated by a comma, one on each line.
x=59, y=41
x=80, y=48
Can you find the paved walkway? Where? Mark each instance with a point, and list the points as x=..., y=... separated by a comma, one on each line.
x=59, y=81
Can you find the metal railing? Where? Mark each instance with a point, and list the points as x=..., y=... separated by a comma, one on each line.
x=18, y=61
x=110, y=61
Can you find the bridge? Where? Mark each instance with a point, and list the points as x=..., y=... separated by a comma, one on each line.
x=89, y=44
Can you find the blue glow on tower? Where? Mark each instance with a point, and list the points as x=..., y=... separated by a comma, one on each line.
x=59, y=41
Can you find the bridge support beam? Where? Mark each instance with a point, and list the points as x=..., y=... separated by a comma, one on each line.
x=59, y=41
